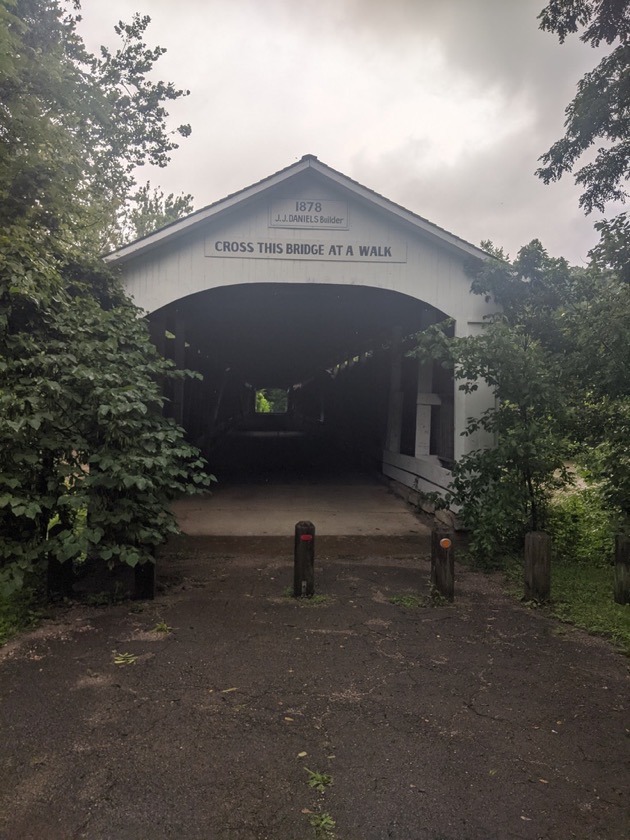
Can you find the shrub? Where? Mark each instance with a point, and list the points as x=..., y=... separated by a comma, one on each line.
x=582, y=530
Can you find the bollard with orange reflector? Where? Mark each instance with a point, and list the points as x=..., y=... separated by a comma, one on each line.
x=304, y=560
x=443, y=564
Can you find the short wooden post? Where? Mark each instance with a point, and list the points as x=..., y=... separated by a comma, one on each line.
x=60, y=578
x=622, y=569
x=304, y=560
x=144, y=581
x=537, y=566
x=443, y=564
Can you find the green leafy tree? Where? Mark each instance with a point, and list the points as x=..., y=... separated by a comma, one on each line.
x=81, y=430
x=150, y=209
x=597, y=362
x=73, y=126
x=81, y=427
x=262, y=403
x=271, y=401
x=600, y=111
x=558, y=360
x=503, y=492
x=598, y=323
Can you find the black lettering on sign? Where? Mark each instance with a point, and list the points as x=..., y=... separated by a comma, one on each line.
x=270, y=247
x=375, y=250
x=324, y=250
x=308, y=205
x=227, y=247
x=305, y=249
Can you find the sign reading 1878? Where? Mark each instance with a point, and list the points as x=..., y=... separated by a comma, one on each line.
x=310, y=214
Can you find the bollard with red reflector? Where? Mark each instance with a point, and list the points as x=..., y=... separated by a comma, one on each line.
x=304, y=560
x=443, y=564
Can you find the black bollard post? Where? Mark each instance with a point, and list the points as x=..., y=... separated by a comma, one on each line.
x=304, y=560
x=443, y=564
x=144, y=581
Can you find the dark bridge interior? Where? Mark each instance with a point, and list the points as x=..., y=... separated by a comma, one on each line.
x=329, y=347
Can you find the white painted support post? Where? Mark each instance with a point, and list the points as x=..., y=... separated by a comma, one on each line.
x=425, y=399
x=472, y=404
x=394, y=417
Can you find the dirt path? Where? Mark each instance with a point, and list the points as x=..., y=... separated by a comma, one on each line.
x=478, y=721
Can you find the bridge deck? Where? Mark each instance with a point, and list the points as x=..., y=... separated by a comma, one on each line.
x=350, y=504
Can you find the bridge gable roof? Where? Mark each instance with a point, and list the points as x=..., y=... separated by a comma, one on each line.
x=307, y=165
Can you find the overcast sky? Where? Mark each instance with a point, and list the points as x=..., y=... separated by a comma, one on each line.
x=442, y=106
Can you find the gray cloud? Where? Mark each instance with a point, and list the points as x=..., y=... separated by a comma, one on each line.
x=442, y=106
x=490, y=195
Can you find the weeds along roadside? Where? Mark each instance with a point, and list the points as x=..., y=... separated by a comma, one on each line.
x=582, y=573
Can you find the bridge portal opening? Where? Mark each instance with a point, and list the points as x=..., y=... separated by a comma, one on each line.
x=305, y=377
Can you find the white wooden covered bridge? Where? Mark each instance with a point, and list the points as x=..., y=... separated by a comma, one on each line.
x=311, y=283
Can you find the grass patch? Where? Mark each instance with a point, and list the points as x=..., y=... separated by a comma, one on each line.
x=317, y=600
x=313, y=601
x=582, y=529
x=583, y=596
x=410, y=601
x=323, y=825
x=318, y=781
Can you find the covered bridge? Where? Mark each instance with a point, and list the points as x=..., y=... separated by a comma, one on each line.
x=311, y=284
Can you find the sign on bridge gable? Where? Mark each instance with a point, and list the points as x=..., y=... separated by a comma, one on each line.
x=308, y=224
x=304, y=224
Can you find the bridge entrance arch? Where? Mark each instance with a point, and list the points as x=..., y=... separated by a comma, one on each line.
x=311, y=285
